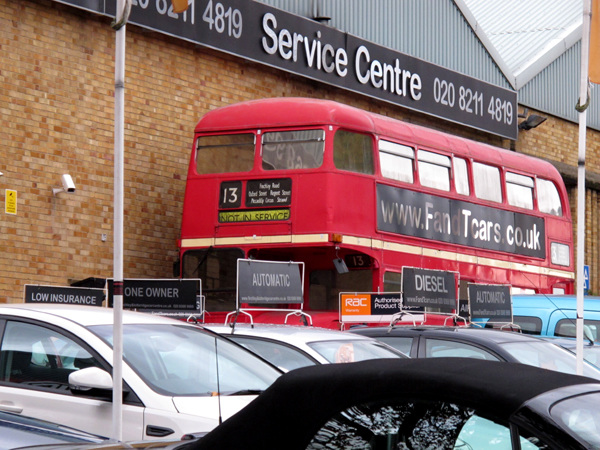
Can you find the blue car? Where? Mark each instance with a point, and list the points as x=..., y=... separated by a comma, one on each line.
x=554, y=315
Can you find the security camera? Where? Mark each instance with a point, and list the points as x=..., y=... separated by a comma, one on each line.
x=67, y=183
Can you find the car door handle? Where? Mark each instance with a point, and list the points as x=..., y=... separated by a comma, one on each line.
x=11, y=408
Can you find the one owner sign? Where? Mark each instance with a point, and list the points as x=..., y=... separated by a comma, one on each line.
x=159, y=294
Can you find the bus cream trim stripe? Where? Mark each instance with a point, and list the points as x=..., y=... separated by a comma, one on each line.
x=377, y=244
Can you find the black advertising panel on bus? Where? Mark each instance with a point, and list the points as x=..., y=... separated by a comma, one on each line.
x=429, y=289
x=63, y=294
x=269, y=282
x=299, y=45
x=490, y=301
x=167, y=295
x=426, y=216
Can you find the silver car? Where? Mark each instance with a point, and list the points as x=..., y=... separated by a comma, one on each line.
x=289, y=346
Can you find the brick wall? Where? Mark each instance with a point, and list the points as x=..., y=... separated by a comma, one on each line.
x=57, y=116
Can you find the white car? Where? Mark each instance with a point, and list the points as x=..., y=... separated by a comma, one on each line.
x=56, y=361
x=290, y=346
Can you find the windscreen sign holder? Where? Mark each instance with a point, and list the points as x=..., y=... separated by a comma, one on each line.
x=263, y=283
x=434, y=290
x=490, y=303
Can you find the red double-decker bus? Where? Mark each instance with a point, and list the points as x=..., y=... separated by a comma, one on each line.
x=356, y=196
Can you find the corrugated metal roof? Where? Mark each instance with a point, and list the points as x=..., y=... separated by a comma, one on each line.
x=525, y=36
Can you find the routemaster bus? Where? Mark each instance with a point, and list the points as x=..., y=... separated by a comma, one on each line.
x=319, y=182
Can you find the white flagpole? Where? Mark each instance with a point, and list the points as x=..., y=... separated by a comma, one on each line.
x=582, y=108
x=119, y=24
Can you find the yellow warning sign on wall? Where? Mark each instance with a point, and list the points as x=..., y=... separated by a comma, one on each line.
x=10, y=201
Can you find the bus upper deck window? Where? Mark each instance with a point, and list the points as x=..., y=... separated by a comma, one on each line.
x=396, y=161
x=487, y=182
x=353, y=151
x=519, y=190
x=434, y=170
x=548, y=198
x=461, y=176
x=300, y=149
x=225, y=153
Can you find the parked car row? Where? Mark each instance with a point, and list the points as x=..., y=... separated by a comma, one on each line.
x=184, y=380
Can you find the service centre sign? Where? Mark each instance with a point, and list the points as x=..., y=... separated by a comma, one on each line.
x=269, y=282
x=426, y=288
x=63, y=295
x=490, y=301
x=298, y=45
x=167, y=295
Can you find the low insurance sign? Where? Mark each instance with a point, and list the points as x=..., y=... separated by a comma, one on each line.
x=63, y=295
x=264, y=282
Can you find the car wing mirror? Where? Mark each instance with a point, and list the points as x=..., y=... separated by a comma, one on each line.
x=90, y=378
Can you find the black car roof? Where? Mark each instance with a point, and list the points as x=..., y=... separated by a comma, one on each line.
x=471, y=334
x=292, y=410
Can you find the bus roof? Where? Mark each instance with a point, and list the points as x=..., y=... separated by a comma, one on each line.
x=306, y=112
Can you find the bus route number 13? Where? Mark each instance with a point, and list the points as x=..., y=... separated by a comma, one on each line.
x=230, y=195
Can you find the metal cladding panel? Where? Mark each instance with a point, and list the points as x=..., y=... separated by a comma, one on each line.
x=556, y=90
x=433, y=30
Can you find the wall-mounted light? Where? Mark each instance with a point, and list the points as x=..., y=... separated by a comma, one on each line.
x=67, y=185
x=531, y=120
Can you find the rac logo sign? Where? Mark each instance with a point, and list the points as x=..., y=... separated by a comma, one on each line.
x=356, y=304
